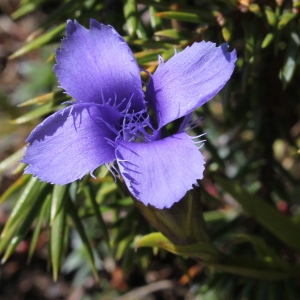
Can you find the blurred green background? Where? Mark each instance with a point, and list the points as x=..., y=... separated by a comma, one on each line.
x=84, y=235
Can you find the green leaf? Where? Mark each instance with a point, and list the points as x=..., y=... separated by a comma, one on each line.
x=21, y=208
x=289, y=67
x=182, y=223
x=174, y=34
x=187, y=17
x=11, y=161
x=62, y=12
x=156, y=23
x=55, y=97
x=57, y=222
x=26, y=9
x=15, y=187
x=270, y=14
x=79, y=227
x=123, y=246
x=5, y=101
x=24, y=225
x=37, y=229
x=131, y=16
x=267, y=40
x=22, y=215
x=296, y=3
x=147, y=56
x=205, y=251
x=218, y=215
x=150, y=44
x=141, y=31
x=43, y=40
x=58, y=200
x=265, y=214
x=227, y=30
x=166, y=55
x=35, y=113
x=226, y=33
x=254, y=268
x=254, y=8
x=261, y=248
x=285, y=18
x=92, y=199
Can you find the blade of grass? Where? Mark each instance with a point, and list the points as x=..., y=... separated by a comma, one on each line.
x=26, y=8
x=187, y=17
x=91, y=198
x=43, y=40
x=38, y=226
x=266, y=215
x=35, y=113
x=58, y=213
x=58, y=199
x=65, y=9
x=131, y=16
x=11, y=160
x=55, y=97
x=30, y=193
x=14, y=188
x=24, y=226
x=79, y=227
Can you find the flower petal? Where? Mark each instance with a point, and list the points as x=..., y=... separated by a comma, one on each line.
x=188, y=80
x=97, y=65
x=161, y=172
x=71, y=143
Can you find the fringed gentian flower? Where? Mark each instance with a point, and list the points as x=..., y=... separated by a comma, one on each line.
x=110, y=121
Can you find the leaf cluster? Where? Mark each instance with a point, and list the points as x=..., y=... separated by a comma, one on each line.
x=250, y=195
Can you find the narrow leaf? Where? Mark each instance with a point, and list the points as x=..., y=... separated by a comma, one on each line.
x=261, y=248
x=38, y=226
x=58, y=199
x=186, y=17
x=254, y=268
x=24, y=226
x=55, y=97
x=150, y=44
x=254, y=8
x=265, y=214
x=91, y=198
x=26, y=9
x=15, y=187
x=174, y=34
x=285, y=19
x=36, y=113
x=79, y=227
x=156, y=23
x=202, y=250
x=270, y=14
x=267, y=40
x=58, y=223
x=65, y=9
x=147, y=56
x=131, y=16
x=290, y=63
x=40, y=41
x=30, y=193
x=123, y=246
x=226, y=33
x=11, y=160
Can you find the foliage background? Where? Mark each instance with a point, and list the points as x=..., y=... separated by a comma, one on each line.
x=252, y=144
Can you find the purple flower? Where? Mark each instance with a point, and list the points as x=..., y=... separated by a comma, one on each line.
x=109, y=119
